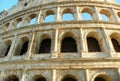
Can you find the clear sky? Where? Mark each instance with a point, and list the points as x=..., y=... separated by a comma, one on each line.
x=6, y=4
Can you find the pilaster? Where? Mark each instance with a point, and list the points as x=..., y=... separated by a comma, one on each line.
x=12, y=49
x=87, y=74
x=82, y=42
x=55, y=44
x=58, y=15
x=24, y=76
x=109, y=47
x=53, y=75
x=38, y=17
x=78, y=15
x=10, y=25
x=32, y=46
x=96, y=15
x=115, y=17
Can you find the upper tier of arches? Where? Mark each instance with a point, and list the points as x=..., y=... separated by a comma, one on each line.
x=61, y=14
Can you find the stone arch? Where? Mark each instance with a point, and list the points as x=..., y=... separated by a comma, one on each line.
x=18, y=22
x=5, y=47
x=69, y=77
x=118, y=14
x=11, y=78
x=102, y=77
x=45, y=44
x=31, y=19
x=88, y=12
x=22, y=46
x=5, y=26
x=94, y=38
x=39, y=78
x=67, y=12
x=106, y=13
x=115, y=39
x=49, y=14
x=68, y=43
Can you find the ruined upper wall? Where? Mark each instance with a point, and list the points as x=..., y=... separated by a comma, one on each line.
x=24, y=4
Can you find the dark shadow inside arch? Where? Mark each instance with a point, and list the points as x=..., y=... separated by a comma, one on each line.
x=93, y=45
x=115, y=45
x=24, y=48
x=12, y=78
x=69, y=79
x=8, y=48
x=45, y=46
x=68, y=45
x=99, y=79
x=41, y=79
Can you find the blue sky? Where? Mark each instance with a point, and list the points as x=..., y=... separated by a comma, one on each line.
x=6, y=4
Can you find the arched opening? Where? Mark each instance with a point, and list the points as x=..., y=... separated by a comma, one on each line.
x=99, y=79
x=67, y=14
x=118, y=14
x=24, y=48
x=115, y=45
x=39, y=78
x=32, y=18
x=93, y=45
x=86, y=16
x=7, y=47
x=32, y=21
x=5, y=27
x=102, y=77
x=105, y=14
x=68, y=45
x=49, y=16
x=104, y=17
x=18, y=22
x=12, y=78
x=45, y=46
x=69, y=78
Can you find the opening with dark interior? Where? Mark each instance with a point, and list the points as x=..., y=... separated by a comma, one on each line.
x=93, y=45
x=45, y=46
x=115, y=45
x=68, y=45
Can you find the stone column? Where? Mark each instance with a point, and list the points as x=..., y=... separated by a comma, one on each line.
x=32, y=46
x=53, y=75
x=24, y=76
x=78, y=14
x=109, y=46
x=55, y=44
x=25, y=20
x=87, y=74
x=58, y=15
x=96, y=14
x=115, y=17
x=82, y=42
x=10, y=25
x=38, y=17
x=12, y=49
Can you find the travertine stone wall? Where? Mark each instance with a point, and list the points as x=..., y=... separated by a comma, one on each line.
x=55, y=66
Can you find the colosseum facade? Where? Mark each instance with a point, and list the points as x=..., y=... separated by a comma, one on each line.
x=60, y=50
